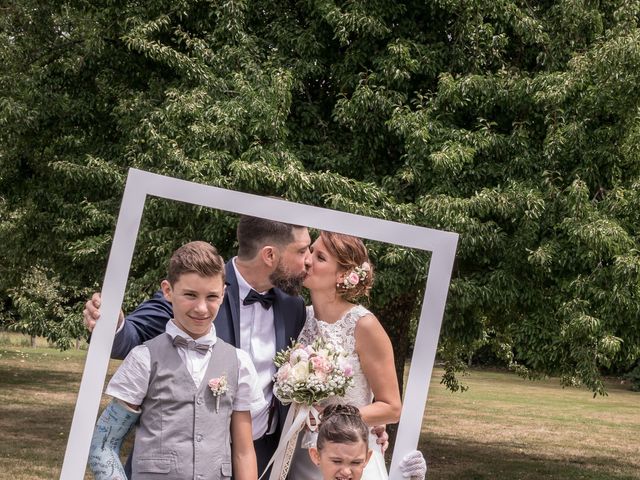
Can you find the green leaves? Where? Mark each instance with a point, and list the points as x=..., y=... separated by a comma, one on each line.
x=516, y=125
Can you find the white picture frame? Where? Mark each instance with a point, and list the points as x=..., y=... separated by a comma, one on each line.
x=141, y=184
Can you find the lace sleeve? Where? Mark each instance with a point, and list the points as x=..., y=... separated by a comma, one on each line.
x=310, y=330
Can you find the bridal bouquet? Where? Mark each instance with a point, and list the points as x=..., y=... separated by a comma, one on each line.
x=308, y=374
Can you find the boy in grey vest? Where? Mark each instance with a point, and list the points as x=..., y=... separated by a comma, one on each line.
x=193, y=392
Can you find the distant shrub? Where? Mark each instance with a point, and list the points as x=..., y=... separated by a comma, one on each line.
x=634, y=378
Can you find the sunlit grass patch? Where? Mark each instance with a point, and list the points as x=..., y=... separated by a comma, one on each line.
x=507, y=427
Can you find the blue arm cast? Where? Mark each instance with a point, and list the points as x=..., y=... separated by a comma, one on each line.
x=104, y=454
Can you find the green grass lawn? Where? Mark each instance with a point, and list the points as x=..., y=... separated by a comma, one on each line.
x=507, y=427
x=502, y=428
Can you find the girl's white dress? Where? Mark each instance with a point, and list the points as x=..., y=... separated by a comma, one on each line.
x=340, y=334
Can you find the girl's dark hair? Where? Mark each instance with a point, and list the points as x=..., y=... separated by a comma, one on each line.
x=341, y=424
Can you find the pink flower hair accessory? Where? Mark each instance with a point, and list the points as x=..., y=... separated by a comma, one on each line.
x=355, y=276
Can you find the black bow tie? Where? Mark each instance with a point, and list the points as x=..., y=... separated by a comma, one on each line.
x=201, y=348
x=266, y=300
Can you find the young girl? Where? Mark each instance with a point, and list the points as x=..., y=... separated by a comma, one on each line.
x=342, y=450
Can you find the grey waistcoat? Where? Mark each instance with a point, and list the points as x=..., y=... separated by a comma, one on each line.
x=181, y=436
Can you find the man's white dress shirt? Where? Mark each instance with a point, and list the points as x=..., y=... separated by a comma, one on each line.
x=258, y=339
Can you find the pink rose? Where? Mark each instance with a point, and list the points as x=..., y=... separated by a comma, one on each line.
x=218, y=385
x=346, y=367
x=283, y=373
x=320, y=364
x=353, y=278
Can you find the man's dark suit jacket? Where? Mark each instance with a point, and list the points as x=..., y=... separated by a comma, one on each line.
x=150, y=318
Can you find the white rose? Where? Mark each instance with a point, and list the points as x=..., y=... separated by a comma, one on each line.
x=299, y=372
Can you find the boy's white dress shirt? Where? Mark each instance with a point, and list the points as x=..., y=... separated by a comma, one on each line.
x=131, y=380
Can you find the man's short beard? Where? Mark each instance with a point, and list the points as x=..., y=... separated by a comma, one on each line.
x=283, y=279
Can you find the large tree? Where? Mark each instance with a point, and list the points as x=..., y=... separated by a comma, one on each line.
x=515, y=124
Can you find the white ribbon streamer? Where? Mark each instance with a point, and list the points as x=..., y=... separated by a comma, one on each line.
x=297, y=417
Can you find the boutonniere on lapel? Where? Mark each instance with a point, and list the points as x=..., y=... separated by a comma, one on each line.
x=218, y=386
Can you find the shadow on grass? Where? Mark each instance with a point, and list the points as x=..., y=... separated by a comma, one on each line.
x=39, y=379
x=449, y=458
x=37, y=401
x=35, y=416
x=36, y=409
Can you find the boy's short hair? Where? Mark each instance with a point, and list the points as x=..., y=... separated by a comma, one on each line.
x=195, y=257
x=254, y=233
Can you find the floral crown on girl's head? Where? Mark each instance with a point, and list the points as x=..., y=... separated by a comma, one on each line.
x=355, y=276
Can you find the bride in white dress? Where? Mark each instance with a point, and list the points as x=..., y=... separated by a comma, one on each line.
x=340, y=273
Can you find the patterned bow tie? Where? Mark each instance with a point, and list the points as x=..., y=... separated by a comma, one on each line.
x=201, y=348
x=266, y=300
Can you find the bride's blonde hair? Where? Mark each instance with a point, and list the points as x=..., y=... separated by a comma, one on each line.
x=351, y=255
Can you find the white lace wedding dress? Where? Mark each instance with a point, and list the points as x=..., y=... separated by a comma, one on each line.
x=342, y=334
